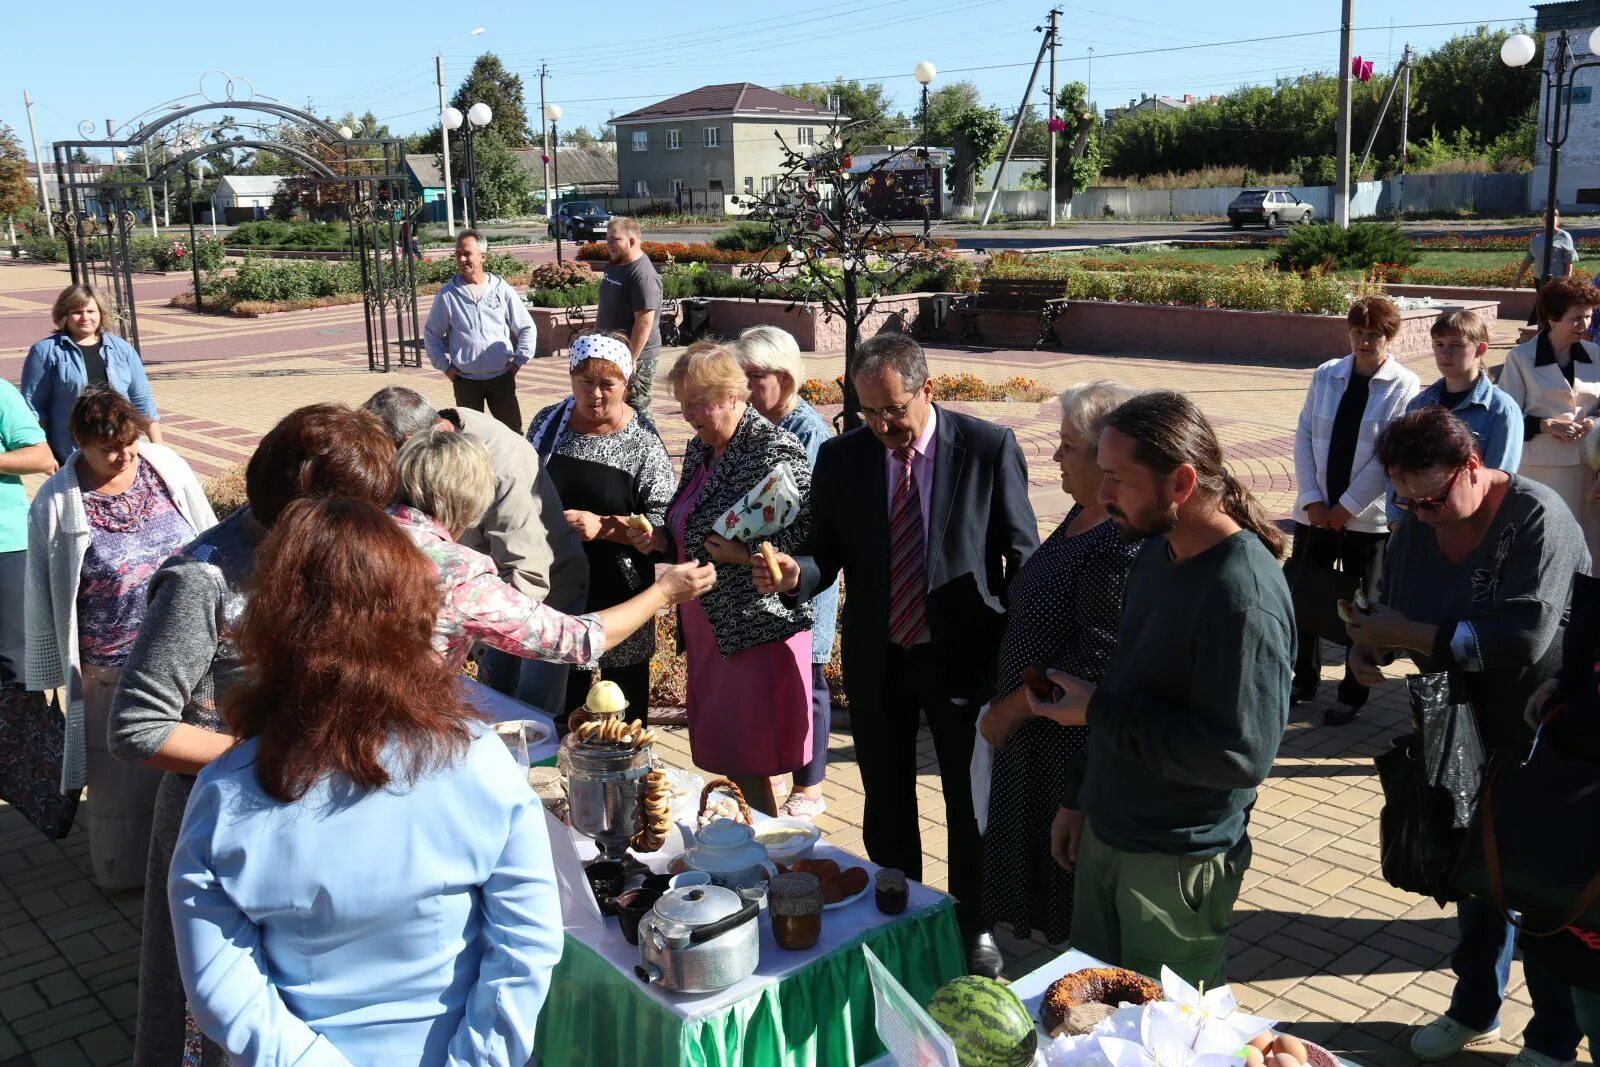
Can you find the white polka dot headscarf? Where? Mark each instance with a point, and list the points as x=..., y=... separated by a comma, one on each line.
x=599, y=346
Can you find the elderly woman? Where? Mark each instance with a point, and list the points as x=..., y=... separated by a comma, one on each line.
x=78, y=355
x=1476, y=581
x=185, y=660
x=1341, y=515
x=445, y=485
x=1555, y=380
x=608, y=464
x=738, y=642
x=436, y=951
x=1065, y=606
x=97, y=531
x=772, y=366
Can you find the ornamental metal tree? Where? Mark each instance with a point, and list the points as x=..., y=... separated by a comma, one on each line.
x=834, y=245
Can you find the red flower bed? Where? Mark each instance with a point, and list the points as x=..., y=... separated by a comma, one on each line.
x=699, y=252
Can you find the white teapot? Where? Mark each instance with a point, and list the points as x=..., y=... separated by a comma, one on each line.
x=730, y=854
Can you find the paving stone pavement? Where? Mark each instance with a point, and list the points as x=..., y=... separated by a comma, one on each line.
x=1319, y=942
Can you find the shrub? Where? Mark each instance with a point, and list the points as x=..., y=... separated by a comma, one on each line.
x=1238, y=288
x=570, y=275
x=746, y=237
x=945, y=387
x=303, y=236
x=225, y=491
x=274, y=281
x=43, y=247
x=1326, y=246
x=565, y=296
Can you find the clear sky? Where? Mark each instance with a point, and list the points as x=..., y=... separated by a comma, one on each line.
x=608, y=58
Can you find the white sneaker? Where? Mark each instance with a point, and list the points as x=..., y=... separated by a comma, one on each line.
x=1444, y=1037
x=1529, y=1058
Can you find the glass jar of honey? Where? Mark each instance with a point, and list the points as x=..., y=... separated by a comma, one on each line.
x=795, y=903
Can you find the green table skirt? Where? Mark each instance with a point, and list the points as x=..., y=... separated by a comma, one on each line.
x=820, y=1016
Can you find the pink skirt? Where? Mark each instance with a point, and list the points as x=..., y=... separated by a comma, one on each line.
x=749, y=714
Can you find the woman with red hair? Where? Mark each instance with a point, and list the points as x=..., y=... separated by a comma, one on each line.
x=369, y=836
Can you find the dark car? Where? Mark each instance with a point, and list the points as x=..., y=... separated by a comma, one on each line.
x=580, y=220
x=1268, y=207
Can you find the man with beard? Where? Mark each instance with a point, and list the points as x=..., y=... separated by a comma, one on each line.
x=630, y=303
x=1188, y=717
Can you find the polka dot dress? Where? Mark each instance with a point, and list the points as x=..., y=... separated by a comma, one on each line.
x=1065, y=606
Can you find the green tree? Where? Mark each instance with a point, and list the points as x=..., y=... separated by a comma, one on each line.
x=1078, y=153
x=947, y=105
x=504, y=188
x=977, y=134
x=490, y=83
x=1463, y=85
x=864, y=104
x=16, y=194
x=580, y=137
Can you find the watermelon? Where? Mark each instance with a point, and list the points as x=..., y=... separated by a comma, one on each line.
x=986, y=1022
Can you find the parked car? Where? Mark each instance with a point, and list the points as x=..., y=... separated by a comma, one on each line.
x=1268, y=207
x=580, y=220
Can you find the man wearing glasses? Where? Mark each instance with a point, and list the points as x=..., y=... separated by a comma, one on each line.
x=926, y=513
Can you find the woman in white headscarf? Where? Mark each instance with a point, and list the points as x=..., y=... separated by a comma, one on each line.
x=608, y=464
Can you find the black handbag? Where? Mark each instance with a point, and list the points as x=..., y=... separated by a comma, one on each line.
x=1318, y=581
x=32, y=736
x=1430, y=782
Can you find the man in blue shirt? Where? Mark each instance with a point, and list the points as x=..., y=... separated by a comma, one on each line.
x=1460, y=341
x=479, y=333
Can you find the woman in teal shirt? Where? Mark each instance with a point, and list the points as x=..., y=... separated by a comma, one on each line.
x=22, y=451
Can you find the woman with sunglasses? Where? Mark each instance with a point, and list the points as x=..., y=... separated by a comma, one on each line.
x=1476, y=582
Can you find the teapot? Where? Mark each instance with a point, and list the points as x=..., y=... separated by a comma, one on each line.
x=730, y=854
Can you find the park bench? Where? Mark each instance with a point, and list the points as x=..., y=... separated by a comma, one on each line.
x=1008, y=294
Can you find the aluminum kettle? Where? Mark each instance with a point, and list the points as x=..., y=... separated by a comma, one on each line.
x=699, y=939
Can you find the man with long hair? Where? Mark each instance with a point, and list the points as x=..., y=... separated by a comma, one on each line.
x=1187, y=719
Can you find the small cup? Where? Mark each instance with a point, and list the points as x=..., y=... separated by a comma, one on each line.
x=689, y=878
x=606, y=878
x=633, y=906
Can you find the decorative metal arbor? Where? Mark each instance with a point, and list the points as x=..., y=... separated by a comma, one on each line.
x=97, y=214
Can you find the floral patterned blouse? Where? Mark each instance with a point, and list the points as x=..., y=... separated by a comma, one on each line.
x=478, y=606
x=130, y=535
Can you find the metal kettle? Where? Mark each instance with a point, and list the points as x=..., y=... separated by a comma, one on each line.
x=699, y=939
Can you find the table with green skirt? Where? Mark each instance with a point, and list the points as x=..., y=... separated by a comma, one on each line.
x=798, y=1009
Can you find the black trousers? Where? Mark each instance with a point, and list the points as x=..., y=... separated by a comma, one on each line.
x=13, y=578
x=500, y=394
x=1356, y=552
x=886, y=752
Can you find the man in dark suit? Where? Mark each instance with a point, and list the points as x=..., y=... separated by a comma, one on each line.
x=926, y=512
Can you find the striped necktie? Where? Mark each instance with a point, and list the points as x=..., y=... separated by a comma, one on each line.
x=907, y=577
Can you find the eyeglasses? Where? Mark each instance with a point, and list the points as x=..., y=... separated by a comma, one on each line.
x=1429, y=503
x=887, y=414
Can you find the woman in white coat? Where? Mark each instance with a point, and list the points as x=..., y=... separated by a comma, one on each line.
x=1341, y=510
x=97, y=531
x=1555, y=379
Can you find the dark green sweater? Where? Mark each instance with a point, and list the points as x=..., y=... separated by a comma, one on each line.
x=1188, y=717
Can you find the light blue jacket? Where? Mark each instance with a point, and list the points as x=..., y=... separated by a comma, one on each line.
x=479, y=338
x=812, y=429
x=53, y=375
x=405, y=926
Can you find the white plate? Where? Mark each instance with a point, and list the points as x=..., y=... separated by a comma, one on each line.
x=847, y=901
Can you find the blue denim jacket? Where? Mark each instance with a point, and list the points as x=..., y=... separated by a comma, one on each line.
x=812, y=429
x=53, y=375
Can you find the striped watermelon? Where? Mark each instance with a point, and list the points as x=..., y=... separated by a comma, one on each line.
x=986, y=1022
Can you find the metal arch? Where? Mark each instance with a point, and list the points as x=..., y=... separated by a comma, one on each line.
x=176, y=164
x=284, y=111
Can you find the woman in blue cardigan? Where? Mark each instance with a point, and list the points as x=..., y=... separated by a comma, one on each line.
x=80, y=354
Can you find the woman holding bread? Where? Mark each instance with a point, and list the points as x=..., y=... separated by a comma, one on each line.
x=749, y=654
x=609, y=466
x=1065, y=605
x=771, y=361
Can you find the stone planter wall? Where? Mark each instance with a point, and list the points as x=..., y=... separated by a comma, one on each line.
x=1205, y=333
x=813, y=329
x=1514, y=303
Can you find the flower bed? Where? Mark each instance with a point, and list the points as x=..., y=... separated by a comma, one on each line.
x=1494, y=242
x=946, y=387
x=700, y=252
x=1236, y=288
x=262, y=286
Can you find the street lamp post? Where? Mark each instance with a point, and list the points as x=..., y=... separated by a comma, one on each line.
x=445, y=128
x=552, y=114
x=1518, y=51
x=925, y=73
x=478, y=115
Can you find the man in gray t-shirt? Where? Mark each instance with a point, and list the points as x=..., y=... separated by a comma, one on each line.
x=630, y=301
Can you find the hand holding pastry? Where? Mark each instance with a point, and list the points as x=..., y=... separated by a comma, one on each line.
x=774, y=572
x=1072, y=708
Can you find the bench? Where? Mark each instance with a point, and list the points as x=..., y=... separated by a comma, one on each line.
x=577, y=321
x=1005, y=294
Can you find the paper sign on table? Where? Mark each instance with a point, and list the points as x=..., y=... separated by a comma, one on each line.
x=911, y=1036
x=579, y=910
x=769, y=507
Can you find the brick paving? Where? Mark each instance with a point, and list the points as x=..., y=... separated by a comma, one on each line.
x=1319, y=940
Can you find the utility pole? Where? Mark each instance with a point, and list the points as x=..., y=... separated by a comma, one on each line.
x=38, y=165
x=1055, y=30
x=444, y=145
x=1016, y=130
x=1405, y=121
x=1341, y=191
x=544, y=140
x=1383, y=110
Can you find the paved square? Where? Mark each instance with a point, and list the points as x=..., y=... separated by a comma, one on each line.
x=1320, y=941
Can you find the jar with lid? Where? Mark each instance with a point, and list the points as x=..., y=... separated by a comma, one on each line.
x=794, y=901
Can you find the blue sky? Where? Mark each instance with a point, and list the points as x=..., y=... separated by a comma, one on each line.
x=607, y=58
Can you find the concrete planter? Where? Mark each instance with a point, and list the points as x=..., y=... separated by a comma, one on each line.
x=1514, y=303
x=1206, y=333
x=813, y=329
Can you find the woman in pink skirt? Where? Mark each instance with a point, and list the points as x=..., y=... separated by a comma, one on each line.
x=749, y=655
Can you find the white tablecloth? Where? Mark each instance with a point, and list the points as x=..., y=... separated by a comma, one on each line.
x=501, y=708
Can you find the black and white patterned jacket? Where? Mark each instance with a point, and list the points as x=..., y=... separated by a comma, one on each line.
x=740, y=617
